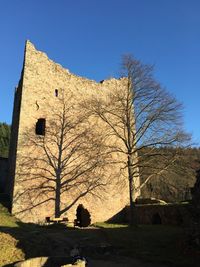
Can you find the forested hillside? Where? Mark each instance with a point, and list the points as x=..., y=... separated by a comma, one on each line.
x=173, y=184
x=4, y=139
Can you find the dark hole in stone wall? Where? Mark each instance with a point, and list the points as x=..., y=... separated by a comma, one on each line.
x=40, y=126
x=56, y=92
x=156, y=219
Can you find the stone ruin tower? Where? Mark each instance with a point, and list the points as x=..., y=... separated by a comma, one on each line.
x=38, y=99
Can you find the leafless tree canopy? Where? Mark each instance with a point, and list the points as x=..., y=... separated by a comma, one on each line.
x=158, y=120
x=158, y=115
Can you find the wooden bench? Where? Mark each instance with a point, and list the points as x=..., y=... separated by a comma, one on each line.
x=49, y=220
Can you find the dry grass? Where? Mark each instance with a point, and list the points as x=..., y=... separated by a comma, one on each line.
x=8, y=245
x=8, y=250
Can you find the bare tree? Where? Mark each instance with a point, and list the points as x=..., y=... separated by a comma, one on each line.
x=142, y=116
x=67, y=158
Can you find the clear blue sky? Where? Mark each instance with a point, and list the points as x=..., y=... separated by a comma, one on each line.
x=89, y=36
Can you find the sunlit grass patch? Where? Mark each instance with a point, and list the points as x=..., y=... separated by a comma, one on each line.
x=8, y=250
x=6, y=219
x=110, y=225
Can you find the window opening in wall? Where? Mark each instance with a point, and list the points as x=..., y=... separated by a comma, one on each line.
x=56, y=92
x=40, y=126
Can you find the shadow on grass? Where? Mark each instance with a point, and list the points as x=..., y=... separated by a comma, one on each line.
x=158, y=244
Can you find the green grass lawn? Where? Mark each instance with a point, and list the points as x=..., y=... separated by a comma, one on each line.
x=6, y=220
x=153, y=243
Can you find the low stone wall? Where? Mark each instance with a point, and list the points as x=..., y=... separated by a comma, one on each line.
x=171, y=214
x=3, y=173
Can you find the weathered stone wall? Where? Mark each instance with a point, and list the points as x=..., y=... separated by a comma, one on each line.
x=36, y=98
x=169, y=214
x=3, y=173
x=9, y=186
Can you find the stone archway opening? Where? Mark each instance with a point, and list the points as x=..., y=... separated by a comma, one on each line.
x=156, y=219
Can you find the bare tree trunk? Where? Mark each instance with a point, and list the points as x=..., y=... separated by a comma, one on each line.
x=133, y=218
x=57, y=197
x=58, y=171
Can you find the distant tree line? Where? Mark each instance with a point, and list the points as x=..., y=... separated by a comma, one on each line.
x=4, y=139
